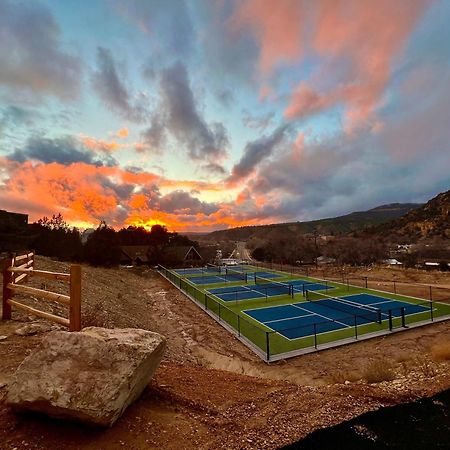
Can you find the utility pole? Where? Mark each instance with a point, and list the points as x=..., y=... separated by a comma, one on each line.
x=317, y=247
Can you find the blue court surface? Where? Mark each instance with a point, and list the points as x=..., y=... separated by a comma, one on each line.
x=230, y=278
x=301, y=285
x=248, y=291
x=307, y=318
x=197, y=270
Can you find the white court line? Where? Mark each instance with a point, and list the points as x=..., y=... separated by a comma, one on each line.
x=320, y=315
x=289, y=318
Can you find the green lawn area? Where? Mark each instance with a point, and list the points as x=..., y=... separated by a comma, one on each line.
x=270, y=343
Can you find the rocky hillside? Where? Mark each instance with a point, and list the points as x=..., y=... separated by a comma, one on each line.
x=337, y=225
x=430, y=220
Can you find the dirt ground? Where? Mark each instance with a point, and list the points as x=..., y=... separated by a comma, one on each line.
x=212, y=392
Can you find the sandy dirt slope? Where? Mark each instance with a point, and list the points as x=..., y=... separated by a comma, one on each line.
x=211, y=391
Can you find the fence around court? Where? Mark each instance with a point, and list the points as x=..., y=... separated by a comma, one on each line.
x=394, y=285
x=272, y=345
x=15, y=275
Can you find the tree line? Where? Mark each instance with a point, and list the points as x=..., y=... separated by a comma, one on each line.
x=54, y=237
x=306, y=249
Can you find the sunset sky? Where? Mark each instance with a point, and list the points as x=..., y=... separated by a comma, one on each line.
x=207, y=114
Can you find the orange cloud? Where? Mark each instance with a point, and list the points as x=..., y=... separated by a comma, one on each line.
x=99, y=145
x=122, y=133
x=277, y=25
x=138, y=201
x=363, y=35
x=86, y=194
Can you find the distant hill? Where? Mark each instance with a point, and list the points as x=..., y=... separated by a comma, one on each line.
x=430, y=220
x=337, y=225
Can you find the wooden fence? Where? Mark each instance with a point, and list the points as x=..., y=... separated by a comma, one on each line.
x=13, y=277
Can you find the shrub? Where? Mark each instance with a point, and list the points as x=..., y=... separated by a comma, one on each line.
x=378, y=370
x=441, y=351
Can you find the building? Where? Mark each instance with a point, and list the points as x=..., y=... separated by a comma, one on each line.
x=182, y=256
x=135, y=255
x=11, y=222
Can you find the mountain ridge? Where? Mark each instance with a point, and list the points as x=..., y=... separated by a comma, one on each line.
x=352, y=222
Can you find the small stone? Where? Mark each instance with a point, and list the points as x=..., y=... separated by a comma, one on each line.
x=32, y=328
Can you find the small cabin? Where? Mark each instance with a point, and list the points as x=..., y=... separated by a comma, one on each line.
x=182, y=256
x=134, y=255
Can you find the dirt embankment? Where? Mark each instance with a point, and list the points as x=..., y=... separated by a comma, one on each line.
x=213, y=392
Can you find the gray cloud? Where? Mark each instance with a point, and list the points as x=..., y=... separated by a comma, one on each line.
x=169, y=22
x=256, y=151
x=64, y=150
x=260, y=123
x=30, y=52
x=182, y=202
x=16, y=115
x=204, y=142
x=154, y=137
x=111, y=88
x=225, y=96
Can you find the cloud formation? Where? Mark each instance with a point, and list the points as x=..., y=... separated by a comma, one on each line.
x=356, y=42
x=112, y=90
x=31, y=53
x=179, y=110
x=256, y=151
x=64, y=150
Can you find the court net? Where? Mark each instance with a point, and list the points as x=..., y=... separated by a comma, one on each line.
x=275, y=287
x=355, y=309
x=235, y=275
x=213, y=267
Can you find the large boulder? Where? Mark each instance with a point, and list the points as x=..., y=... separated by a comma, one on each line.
x=89, y=376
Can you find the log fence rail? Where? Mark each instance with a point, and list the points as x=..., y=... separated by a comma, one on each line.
x=14, y=275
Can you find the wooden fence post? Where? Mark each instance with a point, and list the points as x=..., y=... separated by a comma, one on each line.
x=7, y=293
x=75, y=298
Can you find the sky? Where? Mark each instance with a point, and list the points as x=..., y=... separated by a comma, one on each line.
x=209, y=114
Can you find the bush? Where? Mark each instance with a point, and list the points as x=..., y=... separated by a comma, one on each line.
x=378, y=370
x=441, y=351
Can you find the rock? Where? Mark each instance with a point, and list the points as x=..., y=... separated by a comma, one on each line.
x=2, y=338
x=90, y=376
x=32, y=328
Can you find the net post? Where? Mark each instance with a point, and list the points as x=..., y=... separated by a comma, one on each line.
x=402, y=312
x=206, y=302
x=431, y=310
x=219, y=312
x=390, y=319
x=315, y=336
x=254, y=277
x=356, y=327
x=379, y=317
x=267, y=346
x=303, y=289
x=239, y=325
x=431, y=295
x=366, y=282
